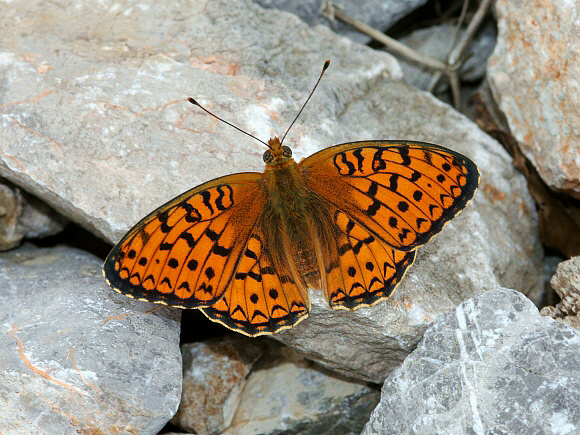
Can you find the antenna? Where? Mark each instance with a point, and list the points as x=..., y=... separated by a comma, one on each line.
x=308, y=99
x=192, y=101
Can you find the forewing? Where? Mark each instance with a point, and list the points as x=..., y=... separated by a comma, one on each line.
x=185, y=253
x=402, y=193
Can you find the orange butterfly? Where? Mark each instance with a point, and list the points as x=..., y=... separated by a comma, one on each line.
x=245, y=248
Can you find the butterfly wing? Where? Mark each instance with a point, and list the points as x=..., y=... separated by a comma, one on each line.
x=264, y=297
x=360, y=268
x=206, y=247
x=183, y=254
x=394, y=197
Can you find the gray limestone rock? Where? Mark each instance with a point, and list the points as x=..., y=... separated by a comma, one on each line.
x=96, y=123
x=380, y=14
x=214, y=375
x=493, y=365
x=77, y=357
x=534, y=74
x=24, y=216
x=290, y=395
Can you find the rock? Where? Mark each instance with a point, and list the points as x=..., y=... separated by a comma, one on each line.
x=23, y=216
x=566, y=283
x=436, y=42
x=380, y=14
x=534, y=77
x=98, y=125
x=493, y=365
x=214, y=375
x=78, y=357
x=290, y=395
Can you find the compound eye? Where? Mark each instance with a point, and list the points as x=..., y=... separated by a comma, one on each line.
x=268, y=157
x=286, y=151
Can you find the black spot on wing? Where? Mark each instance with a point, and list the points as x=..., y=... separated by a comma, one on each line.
x=373, y=209
x=173, y=263
x=250, y=254
x=224, y=191
x=415, y=176
x=379, y=163
x=359, y=158
x=163, y=217
x=373, y=189
x=205, y=197
x=165, y=246
x=404, y=153
x=189, y=239
x=212, y=235
x=341, y=163
x=393, y=182
x=221, y=251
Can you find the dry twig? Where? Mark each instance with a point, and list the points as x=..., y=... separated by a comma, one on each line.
x=455, y=58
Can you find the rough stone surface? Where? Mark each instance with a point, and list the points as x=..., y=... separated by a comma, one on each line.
x=535, y=76
x=23, y=216
x=436, y=42
x=494, y=365
x=292, y=396
x=96, y=122
x=566, y=283
x=380, y=14
x=214, y=375
x=77, y=357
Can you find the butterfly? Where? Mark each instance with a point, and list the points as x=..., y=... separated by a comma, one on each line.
x=246, y=248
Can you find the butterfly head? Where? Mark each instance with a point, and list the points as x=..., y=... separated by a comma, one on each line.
x=277, y=153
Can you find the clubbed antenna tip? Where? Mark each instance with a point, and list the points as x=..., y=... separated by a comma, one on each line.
x=326, y=64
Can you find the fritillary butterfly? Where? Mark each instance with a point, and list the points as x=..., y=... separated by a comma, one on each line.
x=246, y=248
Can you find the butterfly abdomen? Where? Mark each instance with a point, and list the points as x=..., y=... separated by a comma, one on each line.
x=289, y=225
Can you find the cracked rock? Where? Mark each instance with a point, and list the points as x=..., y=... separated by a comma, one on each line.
x=493, y=365
x=77, y=357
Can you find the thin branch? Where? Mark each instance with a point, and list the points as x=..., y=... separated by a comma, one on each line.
x=455, y=58
x=457, y=54
x=460, y=22
x=331, y=11
x=469, y=34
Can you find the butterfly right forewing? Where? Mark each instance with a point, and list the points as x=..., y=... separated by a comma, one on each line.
x=393, y=197
x=401, y=191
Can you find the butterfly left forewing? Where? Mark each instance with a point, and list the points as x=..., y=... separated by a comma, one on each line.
x=184, y=253
x=215, y=248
